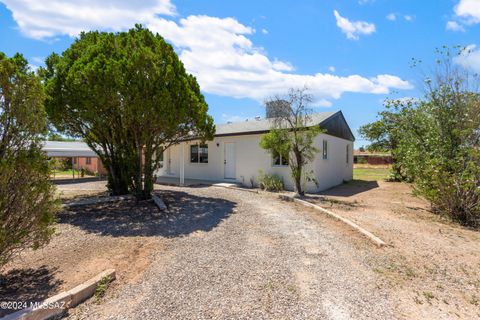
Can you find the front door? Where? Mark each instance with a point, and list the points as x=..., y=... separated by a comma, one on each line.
x=229, y=160
x=169, y=161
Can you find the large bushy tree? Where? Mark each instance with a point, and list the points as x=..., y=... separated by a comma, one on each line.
x=386, y=133
x=128, y=96
x=27, y=203
x=292, y=134
x=437, y=141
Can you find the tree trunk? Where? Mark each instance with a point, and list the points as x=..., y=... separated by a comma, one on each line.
x=297, y=173
x=147, y=174
x=138, y=185
x=117, y=181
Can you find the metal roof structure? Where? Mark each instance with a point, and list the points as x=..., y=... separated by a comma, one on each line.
x=333, y=122
x=67, y=149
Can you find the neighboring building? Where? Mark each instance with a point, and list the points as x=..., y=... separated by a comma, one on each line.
x=79, y=153
x=234, y=155
x=372, y=158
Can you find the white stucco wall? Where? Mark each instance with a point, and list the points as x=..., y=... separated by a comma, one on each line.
x=250, y=158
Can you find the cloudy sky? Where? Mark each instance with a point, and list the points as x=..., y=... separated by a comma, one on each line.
x=351, y=54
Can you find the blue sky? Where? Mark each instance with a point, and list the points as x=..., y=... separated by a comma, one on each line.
x=350, y=54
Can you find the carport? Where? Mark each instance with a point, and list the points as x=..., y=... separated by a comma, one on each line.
x=69, y=149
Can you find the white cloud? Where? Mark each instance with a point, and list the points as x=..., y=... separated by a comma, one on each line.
x=469, y=10
x=264, y=31
x=331, y=69
x=391, y=17
x=38, y=60
x=232, y=118
x=469, y=58
x=353, y=28
x=282, y=66
x=408, y=17
x=47, y=18
x=218, y=51
x=454, y=26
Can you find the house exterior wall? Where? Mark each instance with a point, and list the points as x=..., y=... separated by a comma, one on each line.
x=335, y=169
x=250, y=158
x=95, y=165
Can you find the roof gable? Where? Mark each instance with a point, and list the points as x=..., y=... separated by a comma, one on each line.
x=337, y=126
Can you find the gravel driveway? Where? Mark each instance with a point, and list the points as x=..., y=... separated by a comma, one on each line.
x=247, y=256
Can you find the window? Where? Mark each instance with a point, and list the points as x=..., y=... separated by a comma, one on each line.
x=348, y=152
x=199, y=153
x=74, y=160
x=325, y=149
x=279, y=160
x=88, y=160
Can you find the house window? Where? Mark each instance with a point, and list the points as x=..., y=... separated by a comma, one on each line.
x=74, y=160
x=325, y=149
x=88, y=160
x=348, y=152
x=199, y=153
x=279, y=160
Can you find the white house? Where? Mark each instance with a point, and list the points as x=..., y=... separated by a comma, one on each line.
x=234, y=155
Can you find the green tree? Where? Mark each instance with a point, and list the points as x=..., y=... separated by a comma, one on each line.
x=128, y=96
x=437, y=141
x=386, y=133
x=292, y=134
x=27, y=204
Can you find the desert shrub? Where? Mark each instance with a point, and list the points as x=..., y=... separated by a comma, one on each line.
x=27, y=203
x=270, y=182
x=435, y=142
x=102, y=287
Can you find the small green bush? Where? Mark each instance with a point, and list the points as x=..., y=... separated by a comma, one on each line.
x=270, y=182
x=362, y=161
x=102, y=287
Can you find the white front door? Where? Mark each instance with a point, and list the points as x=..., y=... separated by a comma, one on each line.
x=229, y=160
x=169, y=161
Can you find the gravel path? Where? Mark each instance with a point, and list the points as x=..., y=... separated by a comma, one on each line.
x=246, y=256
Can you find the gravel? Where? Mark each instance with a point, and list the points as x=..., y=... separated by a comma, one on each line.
x=233, y=254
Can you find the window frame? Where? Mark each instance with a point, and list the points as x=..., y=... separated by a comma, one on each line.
x=280, y=157
x=199, y=153
x=88, y=160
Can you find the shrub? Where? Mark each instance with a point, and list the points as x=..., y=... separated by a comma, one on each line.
x=27, y=203
x=270, y=182
x=362, y=161
x=435, y=142
x=66, y=164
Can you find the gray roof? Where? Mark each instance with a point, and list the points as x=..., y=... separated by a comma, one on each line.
x=67, y=149
x=263, y=125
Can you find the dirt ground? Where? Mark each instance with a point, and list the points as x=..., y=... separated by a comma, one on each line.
x=432, y=266
x=430, y=270
x=84, y=245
